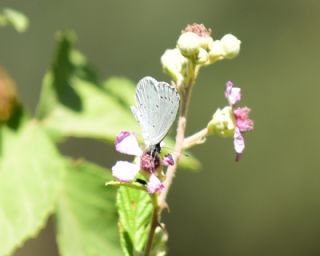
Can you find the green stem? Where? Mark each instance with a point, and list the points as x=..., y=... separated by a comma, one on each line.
x=195, y=139
x=153, y=226
x=185, y=94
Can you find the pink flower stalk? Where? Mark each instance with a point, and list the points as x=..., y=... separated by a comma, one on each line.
x=149, y=162
x=241, y=116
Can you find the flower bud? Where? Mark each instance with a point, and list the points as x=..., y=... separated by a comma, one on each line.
x=8, y=96
x=174, y=64
x=216, y=51
x=222, y=123
x=189, y=44
x=206, y=42
x=203, y=33
x=231, y=46
x=203, y=56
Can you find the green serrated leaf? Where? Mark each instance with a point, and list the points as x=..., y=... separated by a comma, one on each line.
x=17, y=19
x=135, y=210
x=73, y=101
x=86, y=212
x=31, y=175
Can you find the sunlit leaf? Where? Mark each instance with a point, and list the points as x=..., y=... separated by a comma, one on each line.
x=17, y=19
x=86, y=212
x=135, y=210
x=30, y=179
x=74, y=102
x=122, y=89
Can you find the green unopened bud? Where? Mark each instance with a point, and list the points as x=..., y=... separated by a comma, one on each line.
x=189, y=44
x=231, y=46
x=174, y=64
x=216, y=51
x=8, y=96
x=222, y=123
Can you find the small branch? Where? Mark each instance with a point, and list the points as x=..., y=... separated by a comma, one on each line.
x=182, y=123
x=195, y=139
x=161, y=202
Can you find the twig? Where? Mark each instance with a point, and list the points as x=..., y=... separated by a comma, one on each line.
x=195, y=139
x=161, y=203
x=182, y=122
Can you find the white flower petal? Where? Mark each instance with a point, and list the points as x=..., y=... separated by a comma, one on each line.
x=233, y=94
x=168, y=160
x=125, y=171
x=154, y=184
x=127, y=143
x=238, y=142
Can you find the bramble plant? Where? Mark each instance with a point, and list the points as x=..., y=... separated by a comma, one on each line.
x=123, y=217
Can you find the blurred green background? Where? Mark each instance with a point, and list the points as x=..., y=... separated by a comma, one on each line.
x=269, y=202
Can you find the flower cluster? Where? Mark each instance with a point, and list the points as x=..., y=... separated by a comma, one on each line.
x=196, y=46
x=148, y=163
x=231, y=121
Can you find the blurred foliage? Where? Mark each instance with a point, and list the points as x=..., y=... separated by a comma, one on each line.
x=86, y=215
x=73, y=101
x=31, y=174
x=18, y=20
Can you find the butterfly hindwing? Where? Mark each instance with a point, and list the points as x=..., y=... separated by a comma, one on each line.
x=156, y=109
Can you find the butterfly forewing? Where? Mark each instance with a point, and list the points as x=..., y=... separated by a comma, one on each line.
x=156, y=109
x=169, y=102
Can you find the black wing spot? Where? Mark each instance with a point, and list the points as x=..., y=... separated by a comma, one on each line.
x=157, y=105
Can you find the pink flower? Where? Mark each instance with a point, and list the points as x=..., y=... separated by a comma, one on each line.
x=242, y=119
x=233, y=94
x=241, y=116
x=148, y=162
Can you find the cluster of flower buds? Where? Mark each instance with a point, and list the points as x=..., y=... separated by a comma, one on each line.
x=197, y=47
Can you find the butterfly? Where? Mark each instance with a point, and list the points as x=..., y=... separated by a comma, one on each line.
x=157, y=104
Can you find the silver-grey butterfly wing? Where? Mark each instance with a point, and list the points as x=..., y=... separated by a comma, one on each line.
x=156, y=108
